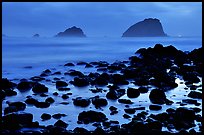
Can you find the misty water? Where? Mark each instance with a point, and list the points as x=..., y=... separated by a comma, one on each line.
x=28, y=57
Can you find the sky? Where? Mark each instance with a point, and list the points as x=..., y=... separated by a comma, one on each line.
x=98, y=19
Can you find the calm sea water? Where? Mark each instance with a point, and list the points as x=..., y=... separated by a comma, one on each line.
x=53, y=53
x=42, y=53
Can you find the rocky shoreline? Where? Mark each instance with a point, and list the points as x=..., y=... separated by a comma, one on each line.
x=152, y=70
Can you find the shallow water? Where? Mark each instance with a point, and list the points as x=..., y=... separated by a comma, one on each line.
x=53, y=53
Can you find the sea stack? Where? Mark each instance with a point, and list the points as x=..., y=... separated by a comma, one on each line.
x=147, y=28
x=72, y=32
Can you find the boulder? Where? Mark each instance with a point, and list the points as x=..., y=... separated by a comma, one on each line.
x=82, y=102
x=133, y=93
x=39, y=88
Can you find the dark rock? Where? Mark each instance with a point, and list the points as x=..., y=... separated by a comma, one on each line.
x=155, y=107
x=143, y=89
x=65, y=96
x=10, y=109
x=57, y=73
x=115, y=94
x=55, y=94
x=157, y=96
x=79, y=101
x=102, y=79
x=125, y=101
x=45, y=73
x=80, y=130
x=130, y=110
x=6, y=84
x=20, y=106
x=45, y=116
x=126, y=116
x=63, y=89
x=31, y=100
x=195, y=94
x=146, y=28
x=112, y=108
x=39, y=88
x=139, y=108
x=61, y=84
x=23, y=86
x=98, y=102
x=74, y=73
x=42, y=105
x=99, y=131
x=119, y=79
x=10, y=92
x=14, y=121
x=91, y=116
x=61, y=123
x=88, y=65
x=50, y=100
x=133, y=93
x=80, y=82
x=72, y=32
x=189, y=101
x=156, y=125
x=69, y=64
x=191, y=77
x=58, y=115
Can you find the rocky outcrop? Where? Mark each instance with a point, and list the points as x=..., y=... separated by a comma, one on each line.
x=72, y=32
x=146, y=28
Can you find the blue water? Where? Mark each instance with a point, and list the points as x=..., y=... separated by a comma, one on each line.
x=53, y=53
x=42, y=53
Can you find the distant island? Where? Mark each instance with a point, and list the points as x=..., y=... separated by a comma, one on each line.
x=147, y=28
x=71, y=32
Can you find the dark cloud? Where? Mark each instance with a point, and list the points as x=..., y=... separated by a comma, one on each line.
x=98, y=19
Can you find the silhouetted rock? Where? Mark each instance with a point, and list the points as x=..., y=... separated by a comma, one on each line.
x=61, y=123
x=195, y=94
x=98, y=102
x=91, y=116
x=146, y=28
x=36, y=35
x=79, y=101
x=39, y=88
x=72, y=32
x=45, y=116
x=133, y=93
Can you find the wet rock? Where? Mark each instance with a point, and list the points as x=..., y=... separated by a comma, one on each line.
x=45, y=116
x=57, y=73
x=126, y=116
x=14, y=121
x=91, y=116
x=99, y=102
x=130, y=110
x=155, y=107
x=156, y=125
x=50, y=100
x=63, y=89
x=80, y=82
x=31, y=101
x=191, y=77
x=80, y=130
x=61, y=123
x=99, y=130
x=133, y=93
x=65, y=96
x=96, y=90
x=88, y=65
x=190, y=101
x=55, y=94
x=119, y=79
x=7, y=85
x=157, y=96
x=74, y=73
x=10, y=109
x=10, y=92
x=39, y=88
x=195, y=94
x=143, y=89
x=139, y=108
x=58, y=115
x=43, y=95
x=115, y=94
x=42, y=105
x=125, y=101
x=69, y=64
x=82, y=102
x=112, y=108
x=24, y=86
x=20, y=106
x=45, y=73
x=102, y=79
x=184, y=118
x=61, y=84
